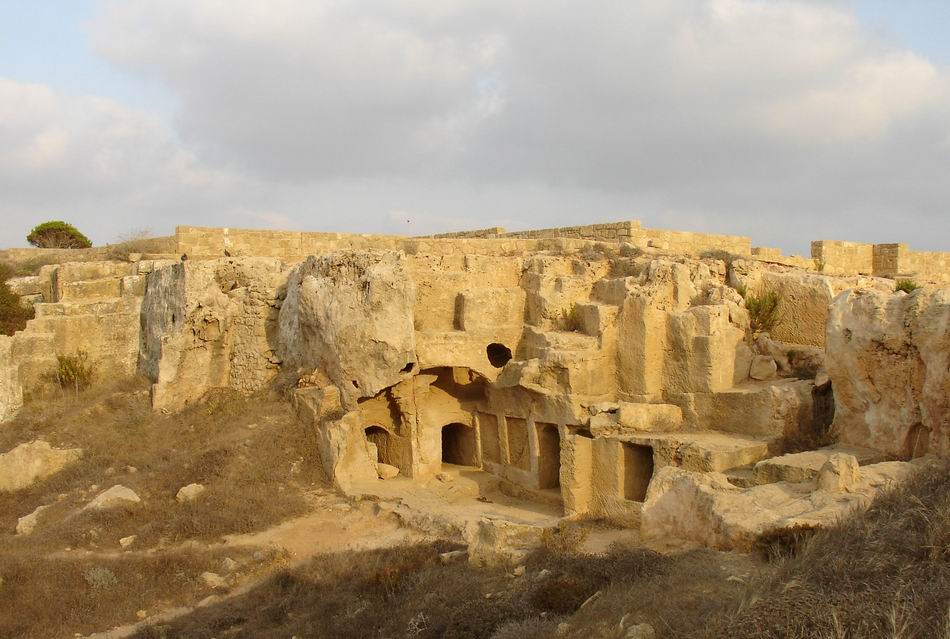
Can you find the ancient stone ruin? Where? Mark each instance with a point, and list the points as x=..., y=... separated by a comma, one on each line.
x=493, y=383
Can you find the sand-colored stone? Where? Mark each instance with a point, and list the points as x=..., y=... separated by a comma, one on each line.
x=31, y=462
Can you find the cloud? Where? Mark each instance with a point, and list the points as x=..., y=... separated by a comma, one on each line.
x=786, y=120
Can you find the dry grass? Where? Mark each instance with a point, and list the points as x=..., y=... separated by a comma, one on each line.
x=407, y=592
x=251, y=454
x=51, y=598
x=884, y=573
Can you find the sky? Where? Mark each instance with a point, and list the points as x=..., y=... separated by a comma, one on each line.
x=784, y=120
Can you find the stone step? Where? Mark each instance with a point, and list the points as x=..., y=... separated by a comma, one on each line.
x=87, y=307
x=98, y=289
x=804, y=466
x=741, y=476
x=538, y=342
x=705, y=451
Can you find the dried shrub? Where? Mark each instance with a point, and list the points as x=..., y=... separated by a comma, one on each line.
x=74, y=372
x=908, y=286
x=784, y=543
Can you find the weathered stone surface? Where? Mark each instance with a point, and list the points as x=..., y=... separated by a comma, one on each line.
x=210, y=324
x=805, y=466
x=763, y=368
x=650, y=417
x=28, y=523
x=350, y=314
x=706, y=508
x=114, y=497
x=386, y=471
x=888, y=356
x=32, y=462
x=11, y=391
x=840, y=472
x=189, y=493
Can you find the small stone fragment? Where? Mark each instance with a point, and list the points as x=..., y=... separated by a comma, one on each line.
x=385, y=471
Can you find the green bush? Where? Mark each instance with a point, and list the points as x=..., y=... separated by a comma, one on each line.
x=57, y=234
x=13, y=314
x=74, y=371
x=764, y=310
x=908, y=286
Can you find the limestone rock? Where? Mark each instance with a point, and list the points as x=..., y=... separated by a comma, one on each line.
x=125, y=542
x=840, y=472
x=189, y=493
x=32, y=462
x=763, y=368
x=11, y=392
x=650, y=417
x=27, y=524
x=209, y=324
x=350, y=314
x=887, y=358
x=386, y=471
x=706, y=508
x=114, y=497
x=214, y=581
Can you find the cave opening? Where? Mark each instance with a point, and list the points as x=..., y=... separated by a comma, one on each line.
x=458, y=445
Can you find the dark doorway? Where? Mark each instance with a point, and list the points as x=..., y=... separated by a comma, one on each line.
x=379, y=437
x=458, y=445
x=637, y=471
x=549, y=456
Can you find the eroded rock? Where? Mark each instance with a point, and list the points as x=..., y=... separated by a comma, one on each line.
x=33, y=461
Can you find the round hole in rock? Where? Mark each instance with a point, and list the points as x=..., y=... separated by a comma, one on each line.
x=498, y=354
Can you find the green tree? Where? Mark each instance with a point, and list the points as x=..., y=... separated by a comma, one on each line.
x=57, y=234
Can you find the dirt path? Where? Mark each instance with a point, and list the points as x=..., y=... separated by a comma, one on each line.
x=334, y=525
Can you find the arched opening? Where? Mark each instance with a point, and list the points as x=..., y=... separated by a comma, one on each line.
x=458, y=445
x=378, y=443
x=549, y=456
x=498, y=354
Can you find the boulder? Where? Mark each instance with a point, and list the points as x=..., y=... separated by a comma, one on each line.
x=705, y=508
x=350, y=314
x=839, y=473
x=214, y=581
x=189, y=493
x=32, y=462
x=27, y=524
x=887, y=357
x=386, y=471
x=763, y=368
x=125, y=542
x=114, y=497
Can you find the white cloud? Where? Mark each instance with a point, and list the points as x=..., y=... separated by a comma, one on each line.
x=783, y=119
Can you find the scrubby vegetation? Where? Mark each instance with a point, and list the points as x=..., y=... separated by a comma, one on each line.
x=764, y=309
x=13, y=314
x=74, y=371
x=57, y=234
x=884, y=573
x=908, y=286
x=140, y=241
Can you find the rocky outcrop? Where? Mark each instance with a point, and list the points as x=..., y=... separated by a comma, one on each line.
x=32, y=462
x=350, y=315
x=210, y=324
x=114, y=497
x=888, y=356
x=706, y=508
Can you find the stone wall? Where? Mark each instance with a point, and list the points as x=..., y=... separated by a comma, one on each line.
x=893, y=261
x=688, y=243
x=492, y=232
x=609, y=232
